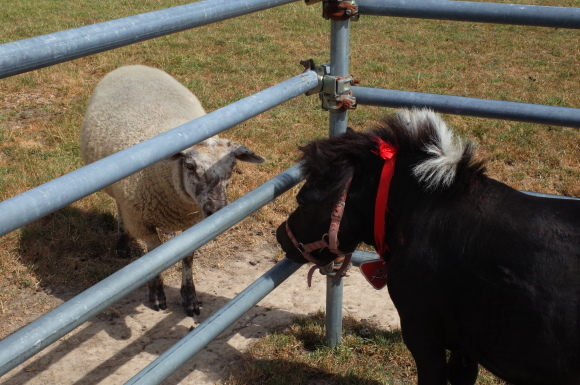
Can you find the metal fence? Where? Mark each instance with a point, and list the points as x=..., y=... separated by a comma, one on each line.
x=29, y=54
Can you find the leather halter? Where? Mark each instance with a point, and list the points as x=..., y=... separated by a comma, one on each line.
x=331, y=244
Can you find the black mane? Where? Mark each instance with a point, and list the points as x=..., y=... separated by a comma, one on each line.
x=439, y=159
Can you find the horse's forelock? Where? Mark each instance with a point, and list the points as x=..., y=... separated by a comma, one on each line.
x=330, y=162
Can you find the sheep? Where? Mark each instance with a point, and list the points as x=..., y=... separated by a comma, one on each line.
x=135, y=103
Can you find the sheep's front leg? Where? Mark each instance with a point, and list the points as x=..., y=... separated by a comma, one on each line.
x=188, y=295
x=123, y=237
x=157, y=299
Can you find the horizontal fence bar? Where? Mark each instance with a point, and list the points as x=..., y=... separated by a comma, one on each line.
x=208, y=330
x=457, y=105
x=552, y=196
x=531, y=15
x=360, y=256
x=58, y=193
x=42, y=51
x=37, y=335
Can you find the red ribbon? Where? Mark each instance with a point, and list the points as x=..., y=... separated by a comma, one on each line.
x=387, y=152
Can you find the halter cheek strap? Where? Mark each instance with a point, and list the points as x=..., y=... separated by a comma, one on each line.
x=332, y=243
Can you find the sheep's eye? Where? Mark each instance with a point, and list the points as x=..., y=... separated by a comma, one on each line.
x=190, y=167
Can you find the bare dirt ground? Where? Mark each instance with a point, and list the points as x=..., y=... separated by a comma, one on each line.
x=115, y=345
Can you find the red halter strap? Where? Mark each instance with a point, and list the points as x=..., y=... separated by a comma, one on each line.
x=388, y=153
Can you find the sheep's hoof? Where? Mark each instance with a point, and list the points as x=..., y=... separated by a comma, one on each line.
x=158, y=306
x=189, y=300
x=157, y=301
x=191, y=306
x=193, y=309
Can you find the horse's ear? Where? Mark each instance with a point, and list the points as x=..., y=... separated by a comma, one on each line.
x=311, y=150
x=349, y=130
x=316, y=151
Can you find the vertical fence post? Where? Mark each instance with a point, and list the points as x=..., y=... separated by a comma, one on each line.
x=339, y=55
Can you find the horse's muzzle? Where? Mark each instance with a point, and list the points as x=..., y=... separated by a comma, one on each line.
x=292, y=252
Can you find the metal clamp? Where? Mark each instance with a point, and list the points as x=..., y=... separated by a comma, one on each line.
x=334, y=91
x=338, y=10
x=321, y=71
x=336, y=268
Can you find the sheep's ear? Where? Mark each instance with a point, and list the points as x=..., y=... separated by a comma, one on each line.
x=244, y=154
x=178, y=156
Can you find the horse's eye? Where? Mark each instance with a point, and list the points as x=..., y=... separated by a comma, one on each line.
x=301, y=199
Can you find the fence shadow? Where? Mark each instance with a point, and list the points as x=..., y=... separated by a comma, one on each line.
x=125, y=338
x=71, y=248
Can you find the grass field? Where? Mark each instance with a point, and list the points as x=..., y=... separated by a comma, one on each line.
x=41, y=112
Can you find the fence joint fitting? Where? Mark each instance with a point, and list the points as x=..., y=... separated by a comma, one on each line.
x=334, y=91
x=321, y=72
x=337, y=10
x=340, y=10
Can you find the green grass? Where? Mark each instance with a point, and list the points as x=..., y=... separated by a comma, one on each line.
x=367, y=355
x=41, y=113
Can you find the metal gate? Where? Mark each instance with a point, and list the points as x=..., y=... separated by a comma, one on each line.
x=29, y=54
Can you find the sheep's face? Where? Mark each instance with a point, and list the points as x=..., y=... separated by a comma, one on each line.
x=206, y=171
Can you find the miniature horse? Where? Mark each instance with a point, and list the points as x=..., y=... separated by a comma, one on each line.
x=474, y=267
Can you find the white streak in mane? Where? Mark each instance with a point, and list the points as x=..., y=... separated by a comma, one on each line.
x=445, y=150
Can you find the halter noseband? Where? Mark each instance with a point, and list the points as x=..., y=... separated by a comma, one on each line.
x=331, y=244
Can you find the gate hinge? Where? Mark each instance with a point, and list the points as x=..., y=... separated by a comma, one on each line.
x=338, y=10
x=334, y=91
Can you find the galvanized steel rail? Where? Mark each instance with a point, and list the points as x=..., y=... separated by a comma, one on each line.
x=483, y=108
x=42, y=51
x=517, y=14
x=338, y=121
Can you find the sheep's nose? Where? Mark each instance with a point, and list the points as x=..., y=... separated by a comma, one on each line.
x=209, y=212
x=212, y=207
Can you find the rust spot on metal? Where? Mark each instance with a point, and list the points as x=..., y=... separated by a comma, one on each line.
x=346, y=102
x=340, y=10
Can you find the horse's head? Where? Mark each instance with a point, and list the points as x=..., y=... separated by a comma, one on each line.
x=345, y=171
x=335, y=205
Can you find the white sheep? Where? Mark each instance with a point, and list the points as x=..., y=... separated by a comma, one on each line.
x=135, y=103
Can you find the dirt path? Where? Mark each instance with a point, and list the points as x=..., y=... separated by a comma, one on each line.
x=115, y=345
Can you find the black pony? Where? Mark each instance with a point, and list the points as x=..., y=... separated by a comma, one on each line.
x=474, y=267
